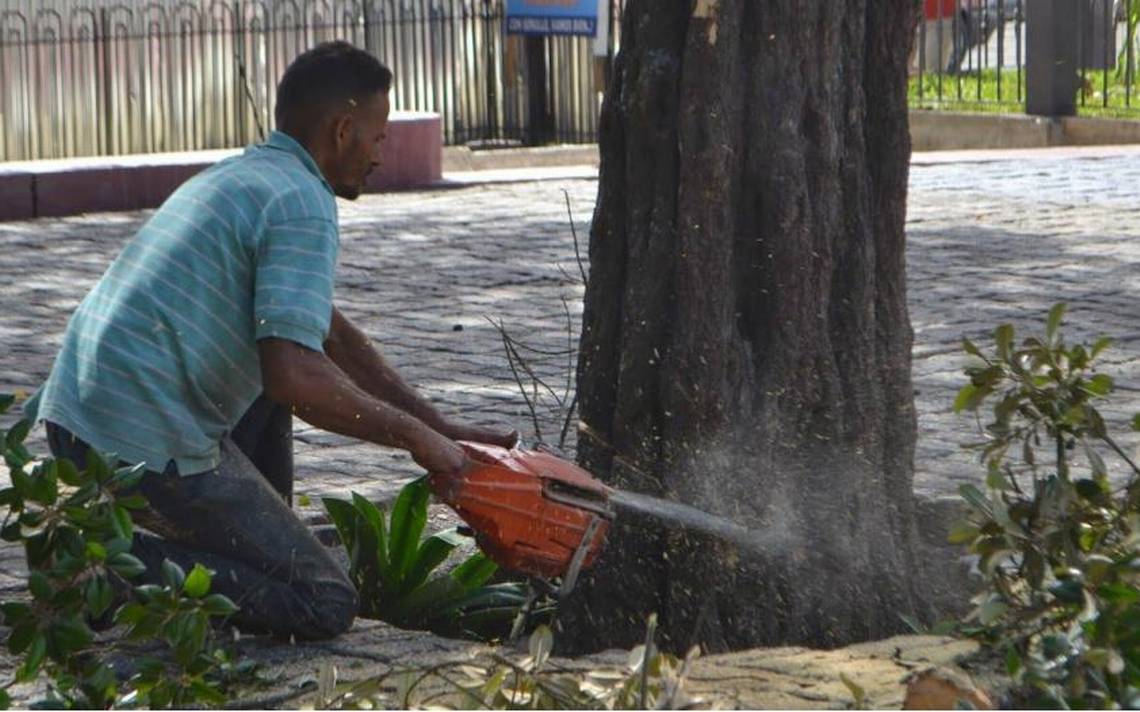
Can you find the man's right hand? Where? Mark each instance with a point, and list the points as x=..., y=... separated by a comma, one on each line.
x=437, y=454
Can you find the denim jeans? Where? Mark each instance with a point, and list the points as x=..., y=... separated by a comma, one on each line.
x=237, y=521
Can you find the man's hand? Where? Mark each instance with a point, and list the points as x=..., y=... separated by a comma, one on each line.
x=438, y=454
x=489, y=436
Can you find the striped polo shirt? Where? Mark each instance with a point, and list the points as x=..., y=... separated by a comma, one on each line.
x=160, y=359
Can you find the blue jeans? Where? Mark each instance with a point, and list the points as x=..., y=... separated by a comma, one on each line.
x=237, y=521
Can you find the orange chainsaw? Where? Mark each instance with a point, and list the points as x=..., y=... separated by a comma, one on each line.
x=530, y=511
x=534, y=512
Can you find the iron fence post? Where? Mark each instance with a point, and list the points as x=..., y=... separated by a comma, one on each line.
x=540, y=124
x=1051, y=57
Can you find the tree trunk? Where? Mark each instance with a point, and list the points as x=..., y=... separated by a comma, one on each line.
x=746, y=344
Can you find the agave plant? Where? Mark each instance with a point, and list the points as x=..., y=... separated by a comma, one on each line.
x=400, y=576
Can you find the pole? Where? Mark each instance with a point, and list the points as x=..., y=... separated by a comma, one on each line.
x=540, y=123
x=1051, y=57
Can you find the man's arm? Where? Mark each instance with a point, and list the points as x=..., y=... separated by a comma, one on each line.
x=322, y=395
x=352, y=350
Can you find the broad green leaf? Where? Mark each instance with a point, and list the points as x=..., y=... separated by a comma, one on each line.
x=39, y=585
x=1003, y=339
x=425, y=599
x=995, y=479
x=975, y=497
x=475, y=571
x=6, y=401
x=374, y=517
x=45, y=484
x=14, y=612
x=125, y=565
x=1012, y=662
x=68, y=472
x=207, y=695
x=130, y=613
x=97, y=467
x=127, y=477
x=118, y=546
x=969, y=347
x=67, y=636
x=1099, y=385
x=1078, y=358
x=34, y=658
x=218, y=605
x=10, y=498
x=21, y=482
x=173, y=575
x=433, y=551
x=409, y=516
x=134, y=501
x=98, y=595
x=343, y=517
x=965, y=396
x=1100, y=345
x=1053, y=322
x=1092, y=490
x=121, y=521
x=1119, y=593
x=21, y=636
x=17, y=433
x=962, y=533
x=197, y=582
x=1136, y=422
x=501, y=595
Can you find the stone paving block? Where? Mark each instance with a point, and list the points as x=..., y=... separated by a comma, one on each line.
x=17, y=195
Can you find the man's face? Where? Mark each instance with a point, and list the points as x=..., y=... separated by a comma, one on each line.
x=358, y=146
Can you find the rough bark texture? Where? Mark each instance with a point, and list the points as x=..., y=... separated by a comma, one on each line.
x=746, y=346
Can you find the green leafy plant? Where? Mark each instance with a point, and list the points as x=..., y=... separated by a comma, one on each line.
x=397, y=573
x=651, y=680
x=1058, y=544
x=76, y=530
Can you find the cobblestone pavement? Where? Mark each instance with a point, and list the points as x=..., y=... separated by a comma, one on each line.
x=425, y=272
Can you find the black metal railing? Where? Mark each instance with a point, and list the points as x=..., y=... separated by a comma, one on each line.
x=971, y=55
x=103, y=77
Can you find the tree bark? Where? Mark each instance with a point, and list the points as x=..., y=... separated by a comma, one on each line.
x=746, y=344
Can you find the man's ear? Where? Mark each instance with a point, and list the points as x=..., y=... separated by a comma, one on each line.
x=343, y=126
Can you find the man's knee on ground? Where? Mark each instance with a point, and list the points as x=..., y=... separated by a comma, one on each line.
x=334, y=609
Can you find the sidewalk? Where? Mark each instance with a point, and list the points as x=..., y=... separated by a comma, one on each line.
x=993, y=236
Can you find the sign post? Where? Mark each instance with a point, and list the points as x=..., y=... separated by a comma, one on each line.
x=537, y=19
x=552, y=17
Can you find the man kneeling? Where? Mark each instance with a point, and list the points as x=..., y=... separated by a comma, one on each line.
x=215, y=324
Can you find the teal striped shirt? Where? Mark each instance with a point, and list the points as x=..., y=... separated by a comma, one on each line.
x=160, y=359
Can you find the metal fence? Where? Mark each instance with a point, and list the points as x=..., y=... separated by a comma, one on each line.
x=971, y=54
x=103, y=77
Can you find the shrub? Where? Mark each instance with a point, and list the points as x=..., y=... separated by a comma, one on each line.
x=76, y=530
x=397, y=573
x=1058, y=545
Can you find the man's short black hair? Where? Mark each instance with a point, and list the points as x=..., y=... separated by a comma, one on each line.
x=325, y=77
